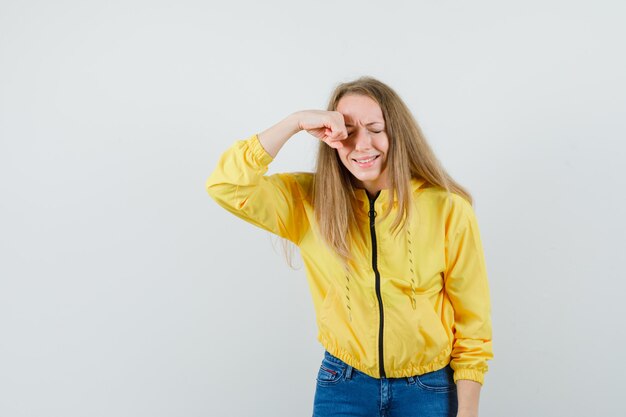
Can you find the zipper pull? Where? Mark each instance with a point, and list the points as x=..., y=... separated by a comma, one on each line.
x=372, y=215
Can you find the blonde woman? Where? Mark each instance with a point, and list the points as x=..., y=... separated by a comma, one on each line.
x=392, y=253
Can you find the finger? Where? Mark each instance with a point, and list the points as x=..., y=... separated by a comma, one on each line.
x=337, y=135
x=334, y=144
x=333, y=128
x=340, y=132
x=340, y=126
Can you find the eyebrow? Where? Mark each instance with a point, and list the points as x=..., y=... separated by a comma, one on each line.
x=369, y=124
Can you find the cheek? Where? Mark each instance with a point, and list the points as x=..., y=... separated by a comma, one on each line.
x=344, y=151
x=383, y=144
x=343, y=155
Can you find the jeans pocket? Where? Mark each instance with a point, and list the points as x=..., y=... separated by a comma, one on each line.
x=330, y=372
x=441, y=380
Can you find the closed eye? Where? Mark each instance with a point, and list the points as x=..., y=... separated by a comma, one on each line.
x=373, y=131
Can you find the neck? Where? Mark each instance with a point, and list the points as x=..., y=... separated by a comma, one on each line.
x=372, y=187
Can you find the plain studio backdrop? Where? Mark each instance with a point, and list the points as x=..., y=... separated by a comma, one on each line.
x=125, y=290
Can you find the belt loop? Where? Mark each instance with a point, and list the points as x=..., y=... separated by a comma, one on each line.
x=348, y=372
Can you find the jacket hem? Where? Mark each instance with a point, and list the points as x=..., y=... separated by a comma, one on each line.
x=441, y=361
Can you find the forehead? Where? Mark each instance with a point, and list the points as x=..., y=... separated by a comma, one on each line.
x=359, y=108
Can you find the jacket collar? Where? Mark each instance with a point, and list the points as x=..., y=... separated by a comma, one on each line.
x=383, y=196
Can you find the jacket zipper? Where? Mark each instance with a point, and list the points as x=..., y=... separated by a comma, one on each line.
x=372, y=216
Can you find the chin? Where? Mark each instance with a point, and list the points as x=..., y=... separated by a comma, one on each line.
x=367, y=177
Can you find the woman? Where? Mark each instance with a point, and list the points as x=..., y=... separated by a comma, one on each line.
x=392, y=253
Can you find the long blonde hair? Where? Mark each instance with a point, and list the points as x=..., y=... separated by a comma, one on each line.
x=409, y=156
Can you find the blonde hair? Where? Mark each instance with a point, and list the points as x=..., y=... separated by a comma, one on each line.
x=409, y=156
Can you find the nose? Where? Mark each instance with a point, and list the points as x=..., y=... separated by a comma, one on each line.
x=362, y=139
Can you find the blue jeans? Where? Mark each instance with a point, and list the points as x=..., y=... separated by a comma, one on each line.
x=345, y=391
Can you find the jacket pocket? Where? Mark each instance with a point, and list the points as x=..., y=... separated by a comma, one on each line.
x=431, y=331
x=327, y=304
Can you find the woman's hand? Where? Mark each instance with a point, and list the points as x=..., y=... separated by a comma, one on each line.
x=327, y=126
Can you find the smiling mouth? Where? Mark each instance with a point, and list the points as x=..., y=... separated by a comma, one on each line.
x=364, y=161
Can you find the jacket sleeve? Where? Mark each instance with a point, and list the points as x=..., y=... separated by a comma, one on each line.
x=467, y=287
x=271, y=202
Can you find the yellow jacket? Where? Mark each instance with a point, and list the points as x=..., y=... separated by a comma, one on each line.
x=416, y=302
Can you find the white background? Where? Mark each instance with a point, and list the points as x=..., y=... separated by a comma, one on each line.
x=126, y=291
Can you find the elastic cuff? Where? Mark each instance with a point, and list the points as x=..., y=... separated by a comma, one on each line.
x=258, y=151
x=470, y=374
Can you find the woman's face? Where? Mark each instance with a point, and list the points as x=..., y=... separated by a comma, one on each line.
x=367, y=139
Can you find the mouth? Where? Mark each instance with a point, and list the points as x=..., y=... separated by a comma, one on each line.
x=366, y=162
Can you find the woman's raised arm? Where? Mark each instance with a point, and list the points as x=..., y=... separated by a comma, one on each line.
x=273, y=202
x=328, y=126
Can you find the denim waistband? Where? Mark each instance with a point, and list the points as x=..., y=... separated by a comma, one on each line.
x=351, y=369
x=332, y=358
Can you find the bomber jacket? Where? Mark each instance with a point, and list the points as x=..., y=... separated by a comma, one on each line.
x=417, y=301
